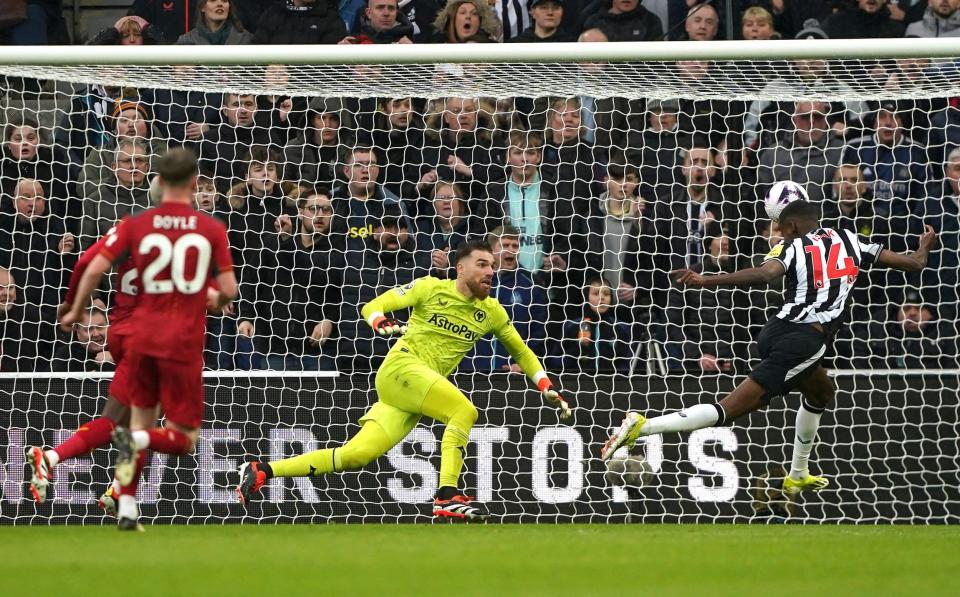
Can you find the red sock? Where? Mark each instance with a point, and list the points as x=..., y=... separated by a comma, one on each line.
x=168, y=441
x=90, y=436
x=142, y=461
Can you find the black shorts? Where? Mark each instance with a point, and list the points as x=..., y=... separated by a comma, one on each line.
x=789, y=352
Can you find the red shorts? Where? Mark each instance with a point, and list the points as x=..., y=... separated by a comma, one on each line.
x=116, y=346
x=148, y=381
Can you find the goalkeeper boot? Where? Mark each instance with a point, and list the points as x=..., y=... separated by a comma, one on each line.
x=811, y=483
x=626, y=435
x=108, y=501
x=252, y=478
x=127, y=453
x=459, y=507
x=40, y=473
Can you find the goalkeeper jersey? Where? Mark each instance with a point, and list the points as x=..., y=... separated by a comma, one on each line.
x=445, y=325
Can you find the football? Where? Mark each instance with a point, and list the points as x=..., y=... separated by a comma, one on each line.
x=631, y=470
x=782, y=194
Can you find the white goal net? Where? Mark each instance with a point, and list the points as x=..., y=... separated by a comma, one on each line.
x=592, y=179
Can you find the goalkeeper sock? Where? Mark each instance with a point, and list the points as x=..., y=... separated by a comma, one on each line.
x=166, y=440
x=370, y=443
x=89, y=436
x=453, y=448
x=318, y=462
x=808, y=420
x=688, y=419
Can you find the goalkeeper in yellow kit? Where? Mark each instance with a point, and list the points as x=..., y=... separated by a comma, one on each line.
x=448, y=318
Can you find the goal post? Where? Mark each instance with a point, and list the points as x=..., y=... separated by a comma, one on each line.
x=645, y=157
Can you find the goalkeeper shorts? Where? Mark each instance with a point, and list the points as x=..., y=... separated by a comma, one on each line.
x=402, y=382
x=789, y=352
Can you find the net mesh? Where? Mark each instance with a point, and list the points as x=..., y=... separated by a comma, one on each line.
x=338, y=182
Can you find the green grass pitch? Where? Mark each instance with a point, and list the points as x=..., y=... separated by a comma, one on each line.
x=458, y=560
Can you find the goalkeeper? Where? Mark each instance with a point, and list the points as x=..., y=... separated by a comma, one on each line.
x=449, y=317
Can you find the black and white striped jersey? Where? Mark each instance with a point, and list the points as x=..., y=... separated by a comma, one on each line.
x=821, y=269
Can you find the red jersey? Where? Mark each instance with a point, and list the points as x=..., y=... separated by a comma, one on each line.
x=177, y=250
x=125, y=298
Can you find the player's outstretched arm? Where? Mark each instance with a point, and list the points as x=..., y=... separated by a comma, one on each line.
x=508, y=336
x=910, y=262
x=391, y=300
x=766, y=273
x=88, y=283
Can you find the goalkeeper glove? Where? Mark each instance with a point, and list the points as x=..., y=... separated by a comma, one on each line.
x=387, y=326
x=553, y=397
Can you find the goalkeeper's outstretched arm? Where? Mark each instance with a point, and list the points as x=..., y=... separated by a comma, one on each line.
x=530, y=364
x=391, y=300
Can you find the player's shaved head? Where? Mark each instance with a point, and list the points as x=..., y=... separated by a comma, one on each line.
x=177, y=168
x=799, y=218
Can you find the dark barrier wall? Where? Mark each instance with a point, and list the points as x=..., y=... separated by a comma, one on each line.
x=890, y=449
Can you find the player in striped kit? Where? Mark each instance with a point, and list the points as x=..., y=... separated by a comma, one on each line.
x=821, y=267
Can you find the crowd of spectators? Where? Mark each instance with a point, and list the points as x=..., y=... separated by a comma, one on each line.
x=588, y=203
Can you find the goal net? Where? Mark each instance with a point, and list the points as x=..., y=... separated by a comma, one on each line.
x=340, y=176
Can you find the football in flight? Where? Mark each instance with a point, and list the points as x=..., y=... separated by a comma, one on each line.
x=782, y=194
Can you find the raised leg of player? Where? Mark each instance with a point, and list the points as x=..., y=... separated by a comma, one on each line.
x=370, y=443
x=818, y=391
x=745, y=398
x=91, y=435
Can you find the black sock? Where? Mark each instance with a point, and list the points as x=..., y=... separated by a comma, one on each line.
x=266, y=468
x=721, y=416
x=446, y=493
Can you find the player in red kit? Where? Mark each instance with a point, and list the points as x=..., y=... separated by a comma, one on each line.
x=177, y=250
x=95, y=433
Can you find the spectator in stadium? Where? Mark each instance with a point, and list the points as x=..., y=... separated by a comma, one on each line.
x=894, y=166
x=612, y=224
x=172, y=18
x=849, y=203
x=717, y=120
x=131, y=120
x=129, y=31
x=33, y=23
x=382, y=22
x=940, y=19
x=570, y=162
x=808, y=78
x=659, y=148
x=311, y=157
x=908, y=335
x=183, y=117
x=870, y=19
x=125, y=191
x=463, y=21
x=398, y=133
x=717, y=337
x=209, y=200
x=221, y=146
x=757, y=23
x=806, y=153
x=602, y=339
x=450, y=226
x=283, y=115
x=524, y=301
x=305, y=304
x=35, y=248
x=702, y=23
x=300, y=22
x=87, y=124
x=627, y=20
x=217, y=23
x=942, y=211
x=26, y=337
x=256, y=203
x=547, y=17
x=385, y=262
x=86, y=348
x=457, y=147
x=24, y=154
x=360, y=194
